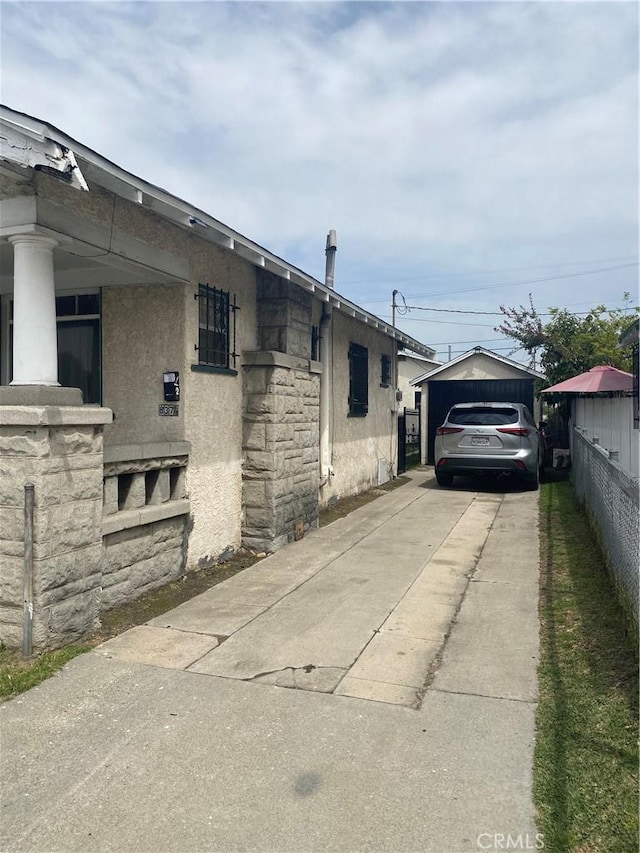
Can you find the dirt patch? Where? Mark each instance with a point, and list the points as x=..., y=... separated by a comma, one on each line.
x=193, y=583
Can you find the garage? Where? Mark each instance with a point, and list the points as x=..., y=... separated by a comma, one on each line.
x=476, y=376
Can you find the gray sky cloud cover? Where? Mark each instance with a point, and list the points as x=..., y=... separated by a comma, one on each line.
x=462, y=151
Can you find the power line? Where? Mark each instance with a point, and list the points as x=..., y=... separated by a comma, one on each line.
x=493, y=349
x=530, y=281
x=474, y=341
x=516, y=283
x=501, y=313
x=500, y=269
x=450, y=322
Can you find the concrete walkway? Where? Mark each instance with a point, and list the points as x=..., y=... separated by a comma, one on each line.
x=409, y=630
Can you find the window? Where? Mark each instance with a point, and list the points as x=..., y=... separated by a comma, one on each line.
x=78, y=324
x=216, y=337
x=315, y=343
x=358, y=380
x=483, y=416
x=78, y=334
x=385, y=371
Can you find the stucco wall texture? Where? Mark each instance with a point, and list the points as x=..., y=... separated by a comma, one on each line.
x=359, y=442
x=152, y=328
x=479, y=366
x=213, y=405
x=142, y=332
x=149, y=328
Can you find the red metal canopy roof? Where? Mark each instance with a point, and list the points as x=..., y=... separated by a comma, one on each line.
x=597, y=380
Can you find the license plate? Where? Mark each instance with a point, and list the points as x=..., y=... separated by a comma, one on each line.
x=480, y=439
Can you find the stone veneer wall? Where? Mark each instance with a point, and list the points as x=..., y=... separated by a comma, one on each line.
x=281, y=389
x=59, y=450
x=280, y=439
x=140, y=559
x=146, y=519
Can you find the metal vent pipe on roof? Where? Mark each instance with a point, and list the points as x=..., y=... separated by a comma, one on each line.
x=330, y=252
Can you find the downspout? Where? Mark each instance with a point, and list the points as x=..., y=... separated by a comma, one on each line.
x=326, y=469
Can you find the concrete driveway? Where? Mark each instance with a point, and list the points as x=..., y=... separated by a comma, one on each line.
x=416, y=616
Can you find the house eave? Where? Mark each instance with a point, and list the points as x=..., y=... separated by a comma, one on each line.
x=534, y=374
x=89, y=166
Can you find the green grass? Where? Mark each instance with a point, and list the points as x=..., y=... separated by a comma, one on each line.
x=18, y=674
x=586, y=759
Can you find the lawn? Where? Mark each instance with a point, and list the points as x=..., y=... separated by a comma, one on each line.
x=586, y=760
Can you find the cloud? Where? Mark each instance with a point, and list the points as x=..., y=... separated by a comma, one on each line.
x=435, y=137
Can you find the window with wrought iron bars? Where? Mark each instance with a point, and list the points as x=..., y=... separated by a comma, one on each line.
x=358, y=380
x=216, y=327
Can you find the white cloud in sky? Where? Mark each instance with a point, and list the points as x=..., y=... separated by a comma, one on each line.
x=439, y=139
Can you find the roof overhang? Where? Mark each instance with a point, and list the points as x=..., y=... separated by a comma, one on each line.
x=28, y=142
x=534, y=374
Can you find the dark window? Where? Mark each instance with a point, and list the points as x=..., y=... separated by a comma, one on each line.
x=358, y=380
x=483, y=416
x=66, y=306
x=417, y=398
x=79, y=357
x=79, y=343
x=214, y=327
x=78, y=334
x=385, y=371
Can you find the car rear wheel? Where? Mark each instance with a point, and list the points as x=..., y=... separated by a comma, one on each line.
x=532, y=481
x=444, y=478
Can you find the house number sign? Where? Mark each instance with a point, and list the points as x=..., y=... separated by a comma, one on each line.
x=168, y=410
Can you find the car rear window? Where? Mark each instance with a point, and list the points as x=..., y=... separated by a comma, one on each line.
x=483, y=416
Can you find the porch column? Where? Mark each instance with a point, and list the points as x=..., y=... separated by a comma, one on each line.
x=35, y=348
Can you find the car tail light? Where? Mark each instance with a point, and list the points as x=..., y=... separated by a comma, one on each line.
x=514, y=430
x=448, y=430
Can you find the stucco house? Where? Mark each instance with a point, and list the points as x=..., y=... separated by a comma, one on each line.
x=171, y=389
x=410, y=366
x=475, y=376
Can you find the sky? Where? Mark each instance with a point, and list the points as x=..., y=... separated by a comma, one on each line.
x=466, y=153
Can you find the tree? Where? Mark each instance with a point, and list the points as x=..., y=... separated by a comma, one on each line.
x=566, y=344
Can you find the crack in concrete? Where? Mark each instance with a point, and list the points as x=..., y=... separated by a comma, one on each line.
x=317, y=679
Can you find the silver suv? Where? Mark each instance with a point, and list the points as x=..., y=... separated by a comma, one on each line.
x=485, y=438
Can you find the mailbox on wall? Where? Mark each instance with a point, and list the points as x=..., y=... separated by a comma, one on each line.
x=171, y=381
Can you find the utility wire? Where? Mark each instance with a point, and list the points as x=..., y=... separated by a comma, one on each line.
x=501, y=313
x=516, y=283
x=449, y=322
x=532, y=280
x=485, y=272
